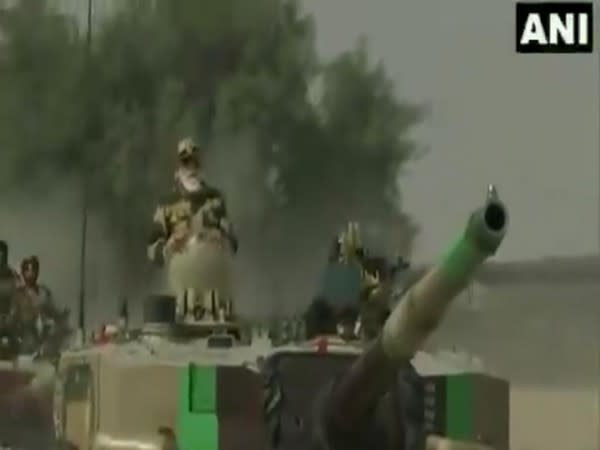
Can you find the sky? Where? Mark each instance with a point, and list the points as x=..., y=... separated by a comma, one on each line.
x=528, y=123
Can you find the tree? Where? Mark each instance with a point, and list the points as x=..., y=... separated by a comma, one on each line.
x=298, y=145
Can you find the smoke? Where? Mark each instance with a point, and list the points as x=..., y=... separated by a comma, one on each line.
x=48, y=224
x=273, y=274
x=233, y=165
x=268, y=279
x=282, y=252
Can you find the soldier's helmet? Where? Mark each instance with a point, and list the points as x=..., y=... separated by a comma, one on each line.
x=31, y=263
x=187, y=173
x=187, y=151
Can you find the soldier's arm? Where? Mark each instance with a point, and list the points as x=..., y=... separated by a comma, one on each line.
x=227, y=228
x=222, y=217
x=158, y=238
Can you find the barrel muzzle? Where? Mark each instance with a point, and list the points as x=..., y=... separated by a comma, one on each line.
x=417, y=315
x=487, y=225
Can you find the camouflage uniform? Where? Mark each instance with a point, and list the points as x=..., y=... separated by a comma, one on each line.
x=29, y=297
x=375, y=296
x=175, y=212
x=202, y=209
x=41, y=325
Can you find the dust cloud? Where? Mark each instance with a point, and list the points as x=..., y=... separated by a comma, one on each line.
x=48, y=224
x=274, y=273
x=543, y=338
x=269, y=279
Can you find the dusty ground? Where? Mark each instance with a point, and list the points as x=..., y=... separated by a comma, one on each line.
x=546, y=341
x=554, y=419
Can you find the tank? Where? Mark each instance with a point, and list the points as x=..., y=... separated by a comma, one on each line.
x=229, y=386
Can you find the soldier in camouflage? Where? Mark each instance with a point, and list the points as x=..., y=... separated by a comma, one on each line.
x=30, y=273
x=35, y=312
x=193, y=237
x=356, y=287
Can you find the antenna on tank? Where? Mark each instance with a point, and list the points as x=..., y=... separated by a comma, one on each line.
x=85, y=195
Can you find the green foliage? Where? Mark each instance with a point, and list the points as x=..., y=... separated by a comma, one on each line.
x=218, y=70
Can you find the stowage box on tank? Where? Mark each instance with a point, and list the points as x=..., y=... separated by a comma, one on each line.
x=468, y=407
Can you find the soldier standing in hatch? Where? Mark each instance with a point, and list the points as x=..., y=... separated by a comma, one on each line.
x=348, y=246
x=195, y=205
x=357, y=286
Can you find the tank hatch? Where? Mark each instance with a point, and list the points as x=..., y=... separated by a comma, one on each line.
x=160, y=319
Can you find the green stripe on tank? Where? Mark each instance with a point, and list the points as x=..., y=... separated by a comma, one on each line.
x=203, y=396
x=459, y=407
x=197, y=420
x=461, y=258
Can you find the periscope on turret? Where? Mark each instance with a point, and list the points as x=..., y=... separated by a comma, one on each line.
x=351, y=401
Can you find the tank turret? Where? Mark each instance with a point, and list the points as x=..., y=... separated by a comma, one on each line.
x=350, y=403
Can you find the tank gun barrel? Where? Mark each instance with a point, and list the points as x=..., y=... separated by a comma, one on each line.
x=415, y=317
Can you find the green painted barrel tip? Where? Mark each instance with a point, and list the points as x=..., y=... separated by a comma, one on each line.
x=483, y=235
